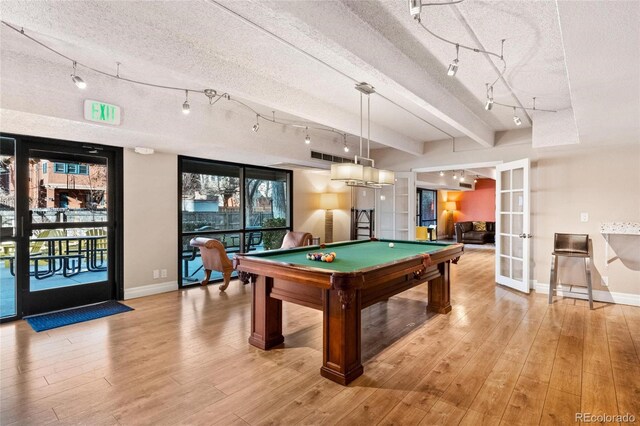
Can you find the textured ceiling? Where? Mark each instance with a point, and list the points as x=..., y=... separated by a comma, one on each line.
x=300, y=59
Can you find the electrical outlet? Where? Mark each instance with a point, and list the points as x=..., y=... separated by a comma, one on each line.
x=584, y=217
x=163, y=273
x=156, y=274
x=605, y=281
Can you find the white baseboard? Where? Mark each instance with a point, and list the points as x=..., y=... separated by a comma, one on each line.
x=598, y=295
x=148, y=290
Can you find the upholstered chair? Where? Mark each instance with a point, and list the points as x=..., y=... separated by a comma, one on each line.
x=296, y=239
x=214, y=258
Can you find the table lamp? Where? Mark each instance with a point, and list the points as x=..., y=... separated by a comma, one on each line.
x=328, y=202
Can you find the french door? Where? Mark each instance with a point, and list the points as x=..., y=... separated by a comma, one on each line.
x=513, y=225
x=63, y=236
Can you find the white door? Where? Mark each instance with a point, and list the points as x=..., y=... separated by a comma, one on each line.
x=513, y=225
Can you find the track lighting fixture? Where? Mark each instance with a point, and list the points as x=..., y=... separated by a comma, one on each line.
x=344, y=142
x=257, y=125
x=453, y=66
x=489, y=104
x=76, y=79
x=441, y=173
x=516, y=119
x=307, y=139
x=186, y=108
x=476, y=179
x=455, y=175
x=462, y=176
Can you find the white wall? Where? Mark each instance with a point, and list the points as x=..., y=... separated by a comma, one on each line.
x=600, y=178
x=307, y=215
x=150, y=222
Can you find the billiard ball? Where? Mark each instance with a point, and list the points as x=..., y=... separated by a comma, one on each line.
x=391, y=245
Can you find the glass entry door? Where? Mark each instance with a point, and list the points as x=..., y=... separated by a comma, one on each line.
x=65, y=225
x=513, y=225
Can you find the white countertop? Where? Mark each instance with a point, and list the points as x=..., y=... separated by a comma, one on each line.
x=627, y=228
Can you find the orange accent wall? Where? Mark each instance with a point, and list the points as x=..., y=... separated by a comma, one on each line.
x=479, y=204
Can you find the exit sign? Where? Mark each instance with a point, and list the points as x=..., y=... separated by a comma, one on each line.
x=101, y=112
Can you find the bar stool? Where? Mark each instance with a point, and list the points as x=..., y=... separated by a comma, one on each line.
x=570, y=245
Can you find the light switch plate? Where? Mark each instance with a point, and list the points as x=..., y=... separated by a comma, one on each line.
x=584, y=217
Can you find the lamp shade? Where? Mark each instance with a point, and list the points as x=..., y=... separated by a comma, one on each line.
x=386, y=177
x=329, y=201
x=370, y=175
x=347, y=171
x=450, y=205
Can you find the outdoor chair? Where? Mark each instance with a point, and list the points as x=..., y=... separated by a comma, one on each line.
x=214, y=258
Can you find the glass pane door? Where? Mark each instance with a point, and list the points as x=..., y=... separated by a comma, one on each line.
x=512, y=225
x=67, y=258
x=8, y=284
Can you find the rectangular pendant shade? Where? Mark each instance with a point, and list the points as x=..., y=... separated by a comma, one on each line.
x=370, y=175
x=386, y=177
x=347, y=171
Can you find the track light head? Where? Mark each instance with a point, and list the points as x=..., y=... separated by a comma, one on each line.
x=516, y=119
x=346, y=148
x=441, y=173
x=307, y=139
x=455, y=176
x=453, y=66
x=78, y=81
x=415, y=7
x=489, y=104
x=186, y=108
x=256, y=126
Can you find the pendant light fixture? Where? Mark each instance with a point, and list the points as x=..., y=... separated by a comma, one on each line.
x=357, y=173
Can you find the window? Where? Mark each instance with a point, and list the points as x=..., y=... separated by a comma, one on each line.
x=427, y=207
x=245, y=208
x=70, y=168
x=44, y=167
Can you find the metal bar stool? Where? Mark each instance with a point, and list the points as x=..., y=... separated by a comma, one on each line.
x=570, y=245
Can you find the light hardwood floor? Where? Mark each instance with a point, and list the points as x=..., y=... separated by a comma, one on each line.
x=182, y=358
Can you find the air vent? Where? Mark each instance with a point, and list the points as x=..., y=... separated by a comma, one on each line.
x=330, y=158
x=465, y=185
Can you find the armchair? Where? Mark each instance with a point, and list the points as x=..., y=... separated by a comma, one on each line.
x=214, y=258
x=296, y=239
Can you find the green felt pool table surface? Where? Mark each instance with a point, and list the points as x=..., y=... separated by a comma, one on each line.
x=353, y=256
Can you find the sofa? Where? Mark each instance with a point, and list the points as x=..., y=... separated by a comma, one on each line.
x=475, y=232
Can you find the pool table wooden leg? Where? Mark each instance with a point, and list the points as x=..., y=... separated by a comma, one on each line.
x=439, y=291
x=341, y=329
x=266, y=315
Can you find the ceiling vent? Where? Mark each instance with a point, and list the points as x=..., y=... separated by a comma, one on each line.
x=465, y=185
x=330, y=158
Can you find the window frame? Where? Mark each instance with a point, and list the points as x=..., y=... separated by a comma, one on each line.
x=419, y=194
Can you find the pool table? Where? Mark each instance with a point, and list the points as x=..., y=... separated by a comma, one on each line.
x=363, y=273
